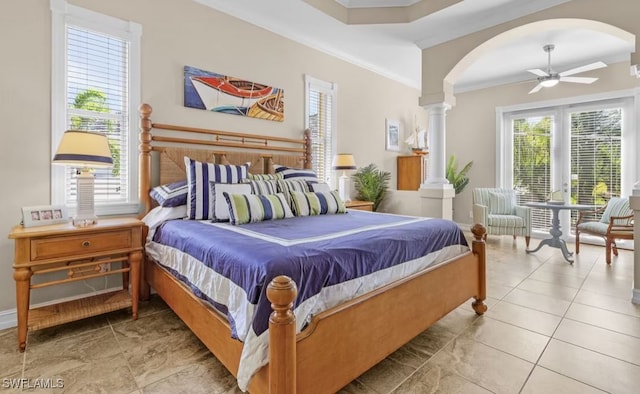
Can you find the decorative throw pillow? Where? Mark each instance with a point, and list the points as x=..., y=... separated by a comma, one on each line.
x=319, y=187
x=263, y=186
x=171, y=194
x=265, y=177
x=219, y=207
x=252, y=208
x=501, y=203
x=286, y=186
x=308, y=204
x=199, y=175
x=617, y=206
x=295, y=173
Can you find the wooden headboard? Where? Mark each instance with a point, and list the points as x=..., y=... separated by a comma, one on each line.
x=173, y=142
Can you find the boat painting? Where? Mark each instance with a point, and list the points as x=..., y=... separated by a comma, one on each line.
x=220, y=93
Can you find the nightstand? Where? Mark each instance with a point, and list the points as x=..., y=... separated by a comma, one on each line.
x=83, y=253
x=359, y=205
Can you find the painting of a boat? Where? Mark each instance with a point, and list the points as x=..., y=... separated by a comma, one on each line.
x=270, y=107
x=230, y=95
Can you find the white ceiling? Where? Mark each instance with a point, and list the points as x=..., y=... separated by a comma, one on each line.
x=394, y=49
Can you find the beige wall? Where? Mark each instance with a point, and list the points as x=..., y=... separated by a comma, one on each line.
x=175, y=33
x=471, y=124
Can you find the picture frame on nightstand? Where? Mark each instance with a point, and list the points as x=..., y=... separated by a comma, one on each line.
x=42, y=215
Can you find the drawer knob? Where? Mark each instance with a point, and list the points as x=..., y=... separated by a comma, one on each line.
x=86, y=244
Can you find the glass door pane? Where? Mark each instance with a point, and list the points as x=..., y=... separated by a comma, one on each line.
x=532, y=164
x=595, y=156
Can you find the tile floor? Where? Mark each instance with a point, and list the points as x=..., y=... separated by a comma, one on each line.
x=551, y=327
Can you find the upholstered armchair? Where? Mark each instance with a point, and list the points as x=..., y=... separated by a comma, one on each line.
x=616, y=222
x=497, y=211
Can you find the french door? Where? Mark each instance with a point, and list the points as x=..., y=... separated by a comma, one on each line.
x=572, y=153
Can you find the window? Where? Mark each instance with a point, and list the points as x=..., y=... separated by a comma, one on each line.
x=95, y=87
x=574, y=149
x=320, y=119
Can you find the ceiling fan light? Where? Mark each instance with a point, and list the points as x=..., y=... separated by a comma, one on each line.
x=549, y=83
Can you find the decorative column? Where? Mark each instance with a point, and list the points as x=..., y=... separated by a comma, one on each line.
x=436, y=191
x=634, y=202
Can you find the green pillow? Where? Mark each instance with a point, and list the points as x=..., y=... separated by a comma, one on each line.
x=252, y=208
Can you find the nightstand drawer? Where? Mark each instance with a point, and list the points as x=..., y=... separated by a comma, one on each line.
x=46, y=248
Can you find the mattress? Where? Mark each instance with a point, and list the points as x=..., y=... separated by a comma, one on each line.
x=332, y=259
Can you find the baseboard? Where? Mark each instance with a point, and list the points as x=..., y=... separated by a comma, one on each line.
x=9, y=317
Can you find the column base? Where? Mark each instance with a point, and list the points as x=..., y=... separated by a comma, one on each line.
x=636, y=296
x=437, y=200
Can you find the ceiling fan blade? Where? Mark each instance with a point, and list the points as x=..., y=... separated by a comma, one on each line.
x=536, y=89
x=581, y=69
x=578, y=79
x=539, y=72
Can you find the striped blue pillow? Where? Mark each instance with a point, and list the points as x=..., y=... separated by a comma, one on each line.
x=308, y=204
x=263, y=186
x=252, y=208
x=199, y=198
x=295, y=173
x=265, y=177
x=289, y=185
x=171, y=194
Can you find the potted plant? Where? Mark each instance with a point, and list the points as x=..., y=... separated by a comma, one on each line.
x=371, y=184
x=457, y=178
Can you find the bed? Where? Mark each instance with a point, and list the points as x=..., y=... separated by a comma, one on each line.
x=341, y=307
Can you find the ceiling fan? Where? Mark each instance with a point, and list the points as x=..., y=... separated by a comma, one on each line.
x=547, y=79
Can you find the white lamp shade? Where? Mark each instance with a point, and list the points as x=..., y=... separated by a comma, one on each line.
x=344, y=161
x=83, y=149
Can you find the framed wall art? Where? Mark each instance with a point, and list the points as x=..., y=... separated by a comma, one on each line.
x=230, y=95
x=43, y=215
x=392, y=135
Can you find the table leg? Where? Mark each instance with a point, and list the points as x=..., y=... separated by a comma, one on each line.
x=22, y=276
x=555, y=241
x=134, y=263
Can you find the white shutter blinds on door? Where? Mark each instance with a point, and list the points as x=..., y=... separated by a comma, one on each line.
x=532, y=164
x=595, y=156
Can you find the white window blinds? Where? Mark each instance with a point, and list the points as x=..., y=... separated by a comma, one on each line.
x=320, y=119
x=96, y=87
x=97, y=100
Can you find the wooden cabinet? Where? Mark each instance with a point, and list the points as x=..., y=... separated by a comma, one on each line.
x=412, y=170
x=359, y=205
x=81, y=253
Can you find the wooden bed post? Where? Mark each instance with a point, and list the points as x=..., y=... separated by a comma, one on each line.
x=282, y=291
x=145, y=157
x=479, y=249
x=307, y=149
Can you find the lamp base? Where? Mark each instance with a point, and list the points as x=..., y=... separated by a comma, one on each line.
x=85, y=214
x=343, y=187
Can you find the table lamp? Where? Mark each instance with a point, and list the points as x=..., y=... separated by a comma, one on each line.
x=344, y=162
x=84, y=150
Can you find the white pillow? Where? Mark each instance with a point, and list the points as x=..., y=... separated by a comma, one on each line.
x=219, y=208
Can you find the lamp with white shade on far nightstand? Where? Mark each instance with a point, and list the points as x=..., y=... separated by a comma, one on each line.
x=84, y=150
x=344, y=162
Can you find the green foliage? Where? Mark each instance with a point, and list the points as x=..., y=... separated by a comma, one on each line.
x=96, y=101
x=458, y=179
x=595, y=156
x=372, y=184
